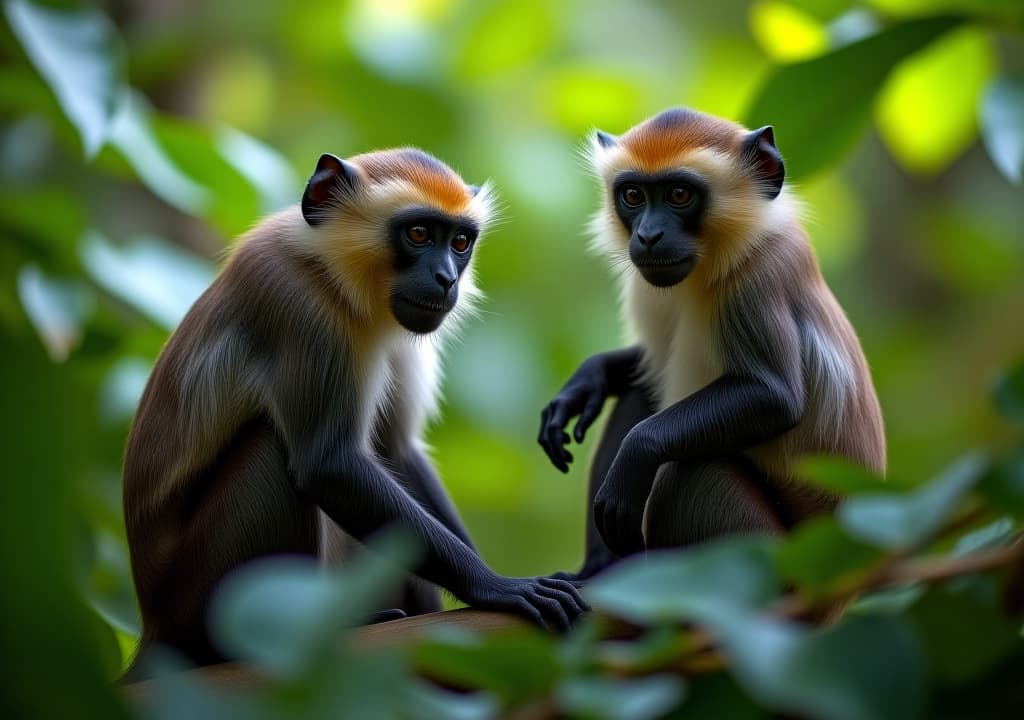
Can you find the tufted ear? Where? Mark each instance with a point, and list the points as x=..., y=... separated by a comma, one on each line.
x=331, y=177
x=604, y=140
x=474, y=190
x=760, y=153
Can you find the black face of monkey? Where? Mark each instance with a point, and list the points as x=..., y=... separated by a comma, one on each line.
x=663, y=214
x=431, y=251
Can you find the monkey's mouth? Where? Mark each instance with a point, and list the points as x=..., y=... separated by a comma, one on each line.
x=434, y=306
x=665, y=272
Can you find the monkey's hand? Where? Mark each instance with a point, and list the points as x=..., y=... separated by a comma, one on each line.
x=544, y=601
x=583, y=395
x=620, y=501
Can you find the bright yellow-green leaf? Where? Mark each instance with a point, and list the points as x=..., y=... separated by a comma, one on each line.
x=581, y=97
x=927, y=111
x=787, y=33
x=735, y=72
x=834, y=219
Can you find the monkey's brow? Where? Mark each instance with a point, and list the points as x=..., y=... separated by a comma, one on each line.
x=681, y=175
x=423, y=213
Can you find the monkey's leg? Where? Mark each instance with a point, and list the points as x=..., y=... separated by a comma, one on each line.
x=248, y=508
x=698, y=500
x=633, y=406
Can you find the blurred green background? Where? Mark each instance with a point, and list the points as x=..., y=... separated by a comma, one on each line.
x=139, y=138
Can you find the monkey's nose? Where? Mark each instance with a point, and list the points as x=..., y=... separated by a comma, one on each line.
x=651, y=239
x=445, y=281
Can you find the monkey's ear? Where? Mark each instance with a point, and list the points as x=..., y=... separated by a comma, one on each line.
x=605, y=140
x=759, y=152
x=474, y=190
x=332, y=175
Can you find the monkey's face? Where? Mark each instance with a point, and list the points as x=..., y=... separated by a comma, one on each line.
x=431, y=251
x=662, y=213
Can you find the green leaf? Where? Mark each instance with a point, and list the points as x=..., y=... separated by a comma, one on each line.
x=262, y=166
x=286, y=614
x=1002, y=126
x=1009, y=393
x=158, y=279
x=685, y=584
x=829, y=98
x=902, y=521
x=819, y=557
x=838, y=475
x=77, y=52
x=57, y=308
x=1003, y=485
x=962, y=635
x=865, y=667
x=515, y=666
x=612, y=698
x=133, y=135
x=718, y=696
x=925, y=120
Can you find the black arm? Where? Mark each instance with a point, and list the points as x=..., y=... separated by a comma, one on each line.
x=760, y=396
x=313, y=397
x=599, y=377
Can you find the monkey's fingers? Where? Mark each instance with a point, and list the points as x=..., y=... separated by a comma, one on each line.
x=568, y=587
x=590, y=412
x=554, y=613
x=553, y=437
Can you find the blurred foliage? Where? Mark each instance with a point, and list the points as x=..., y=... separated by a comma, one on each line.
x=138, y=138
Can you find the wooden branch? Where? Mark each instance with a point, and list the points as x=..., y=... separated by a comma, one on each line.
x=395, y=633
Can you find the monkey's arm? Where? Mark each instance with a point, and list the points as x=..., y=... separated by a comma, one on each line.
x=414, y=472
x=599, y=377
x=760, y=396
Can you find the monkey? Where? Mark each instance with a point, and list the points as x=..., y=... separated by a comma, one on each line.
x=742, y=359
x=286, y=413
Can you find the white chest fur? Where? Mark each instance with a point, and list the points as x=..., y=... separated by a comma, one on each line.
x=675, y=326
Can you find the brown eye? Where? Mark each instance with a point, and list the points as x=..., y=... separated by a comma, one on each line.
x=680, y=196
x=460, y=243
x=632, y=196
x=417, y=234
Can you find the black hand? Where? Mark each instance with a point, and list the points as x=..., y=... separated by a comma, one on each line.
x=583, y=395
x=620, y=502
x=544, y=601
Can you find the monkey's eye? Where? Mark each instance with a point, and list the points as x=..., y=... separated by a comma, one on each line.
x=417, y=234
x=680, y=196
x=461, y=242
x=631, y=196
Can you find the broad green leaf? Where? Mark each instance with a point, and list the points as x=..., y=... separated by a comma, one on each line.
x=838, y=475
x=902, y=521
x=990, y=10
x=1009, y=393
x=515, y=666
x=829, y=98
x=262, y=166
x=819, y=557
x=962, y=636
x=613, y=698
x=78, y=54
x=926, y=120
x=57, y=308
x=1003, y=485
x=133, y=135
x=153, y=276
x=718, y=696
x=987, y=536
x=1002, y=126
x=654, y=648
x=865, y=667
x=786, y=32
x=288, y=614
x=686, y=584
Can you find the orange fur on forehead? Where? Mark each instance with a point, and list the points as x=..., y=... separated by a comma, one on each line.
x=438, y=181
x=659, y=142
